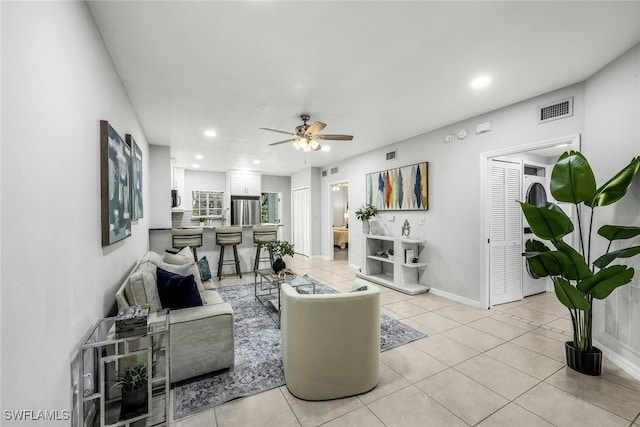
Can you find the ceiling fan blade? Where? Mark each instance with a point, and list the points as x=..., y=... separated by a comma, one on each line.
x=315, y=128
x=282, y=142
x=334, y=137
x=279, y=131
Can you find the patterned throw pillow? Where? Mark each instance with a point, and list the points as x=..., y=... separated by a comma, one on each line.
x=205, y=271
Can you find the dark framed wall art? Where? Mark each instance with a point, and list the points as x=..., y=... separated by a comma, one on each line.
x=115, y=174
x=404, y=188
x=137, y=206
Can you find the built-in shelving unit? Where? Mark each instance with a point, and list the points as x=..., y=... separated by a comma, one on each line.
x=396, y=273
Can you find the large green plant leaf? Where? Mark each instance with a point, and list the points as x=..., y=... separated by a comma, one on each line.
x=601, y=284
x=614, y=189
x=572, y=179
x=552, y=263
x=575, y=268
x=618, y=232
x=536, y=263
x=606, y=259
x=569, y=296
x=548, y=222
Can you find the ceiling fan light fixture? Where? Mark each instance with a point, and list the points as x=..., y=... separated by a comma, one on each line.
x=314, y=145
x=296, y=144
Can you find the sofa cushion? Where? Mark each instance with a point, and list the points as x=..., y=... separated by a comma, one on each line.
x=151, y=257
x=177, y=291
x=213, y=297
x=143, y=290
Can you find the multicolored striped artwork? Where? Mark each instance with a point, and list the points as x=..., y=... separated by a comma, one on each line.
x=398, y=189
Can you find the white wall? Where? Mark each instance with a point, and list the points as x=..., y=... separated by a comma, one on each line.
x=453, y=227
x=339, y=206
x=159, y=168
x=58, y=82
x=612, y=139
x=202, y=180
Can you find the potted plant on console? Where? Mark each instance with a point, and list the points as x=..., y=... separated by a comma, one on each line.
x=133, y=380
x=364, y=214
x=277, y=249
x=578, y=276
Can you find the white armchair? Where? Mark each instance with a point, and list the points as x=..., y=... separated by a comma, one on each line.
x=330, y=342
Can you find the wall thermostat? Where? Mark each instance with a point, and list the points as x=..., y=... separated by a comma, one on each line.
x=448, y=138
x=462, y=134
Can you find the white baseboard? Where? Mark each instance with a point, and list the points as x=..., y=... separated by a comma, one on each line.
x=619, y=360
x=456, y=298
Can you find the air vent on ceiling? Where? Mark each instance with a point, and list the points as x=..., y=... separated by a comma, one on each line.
x=555, y=111
x=334, y=170
x=324, y=173
x=391, y=155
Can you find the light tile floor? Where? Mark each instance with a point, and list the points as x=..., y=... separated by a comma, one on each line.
x=498, y=367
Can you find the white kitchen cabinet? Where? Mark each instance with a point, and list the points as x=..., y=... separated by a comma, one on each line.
x=243, y=183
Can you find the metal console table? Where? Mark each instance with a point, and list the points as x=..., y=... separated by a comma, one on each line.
x=267, y=290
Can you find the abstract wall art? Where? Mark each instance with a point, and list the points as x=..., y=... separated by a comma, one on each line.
x=404, y=188
x=115, y=174
x=137, y=206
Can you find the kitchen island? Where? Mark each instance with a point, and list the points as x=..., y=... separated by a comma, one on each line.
x=160, y=240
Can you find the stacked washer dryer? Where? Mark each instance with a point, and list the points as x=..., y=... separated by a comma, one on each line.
x=535, y=191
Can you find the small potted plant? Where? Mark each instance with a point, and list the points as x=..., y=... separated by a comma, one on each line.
x=579, y=276
x=277, y=249
x=390, y=253
x=133, y=381
x=364, y=214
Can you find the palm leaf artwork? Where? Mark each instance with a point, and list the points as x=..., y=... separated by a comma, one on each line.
x=578, y=280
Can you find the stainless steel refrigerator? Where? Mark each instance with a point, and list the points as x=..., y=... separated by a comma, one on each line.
x=245, y=210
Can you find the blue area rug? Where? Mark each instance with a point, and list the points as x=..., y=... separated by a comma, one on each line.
x=258, y=359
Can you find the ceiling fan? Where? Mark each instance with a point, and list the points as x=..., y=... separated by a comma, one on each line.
x=307, y=136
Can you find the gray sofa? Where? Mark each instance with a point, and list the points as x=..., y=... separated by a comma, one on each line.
x=201, y=338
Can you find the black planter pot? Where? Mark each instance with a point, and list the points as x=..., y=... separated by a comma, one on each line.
x=278, y=265
x=587, y=362
x=133, y=403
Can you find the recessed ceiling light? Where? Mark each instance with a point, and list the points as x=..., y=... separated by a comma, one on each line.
x=210, y=133
x=195, y=166
x=480, y=82
x=326, y=148
x=199, y=157
x=256, y=162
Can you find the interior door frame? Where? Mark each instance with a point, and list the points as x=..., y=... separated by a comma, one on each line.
x=330, y=215
x=573, y=143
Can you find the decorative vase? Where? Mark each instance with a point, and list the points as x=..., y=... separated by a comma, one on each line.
x=134, y=402
x=365, y=226
x=585, y=362
x=278, y=265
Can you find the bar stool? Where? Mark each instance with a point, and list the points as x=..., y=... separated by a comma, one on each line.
x=264, y=233
x=183, y=237
x=228, y=236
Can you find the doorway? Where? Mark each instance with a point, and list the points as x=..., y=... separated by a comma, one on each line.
x=300, y=221
x=339, y=217
x=506, y=275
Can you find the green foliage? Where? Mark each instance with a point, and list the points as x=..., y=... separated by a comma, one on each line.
x=390, y=251
x=575, y=279
x=367, y=211
x=277, y=248
x=134, y=376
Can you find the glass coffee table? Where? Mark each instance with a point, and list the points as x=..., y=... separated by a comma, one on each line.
x=267, y=289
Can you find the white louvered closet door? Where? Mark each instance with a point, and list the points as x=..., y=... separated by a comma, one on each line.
x=505, y=234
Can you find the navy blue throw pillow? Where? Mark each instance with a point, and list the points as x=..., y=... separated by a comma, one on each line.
x=177, y=291
x=203, y=267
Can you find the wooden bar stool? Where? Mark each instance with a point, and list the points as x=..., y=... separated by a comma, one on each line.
x=183, y=237
x=228, y=236
x=264, y=233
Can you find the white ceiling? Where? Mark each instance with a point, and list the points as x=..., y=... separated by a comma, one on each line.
x=381, y=71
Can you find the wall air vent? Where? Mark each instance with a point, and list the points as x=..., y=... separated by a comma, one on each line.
x=334, y=170
x=391, y=155
x=324, y=174
x=555, y=111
